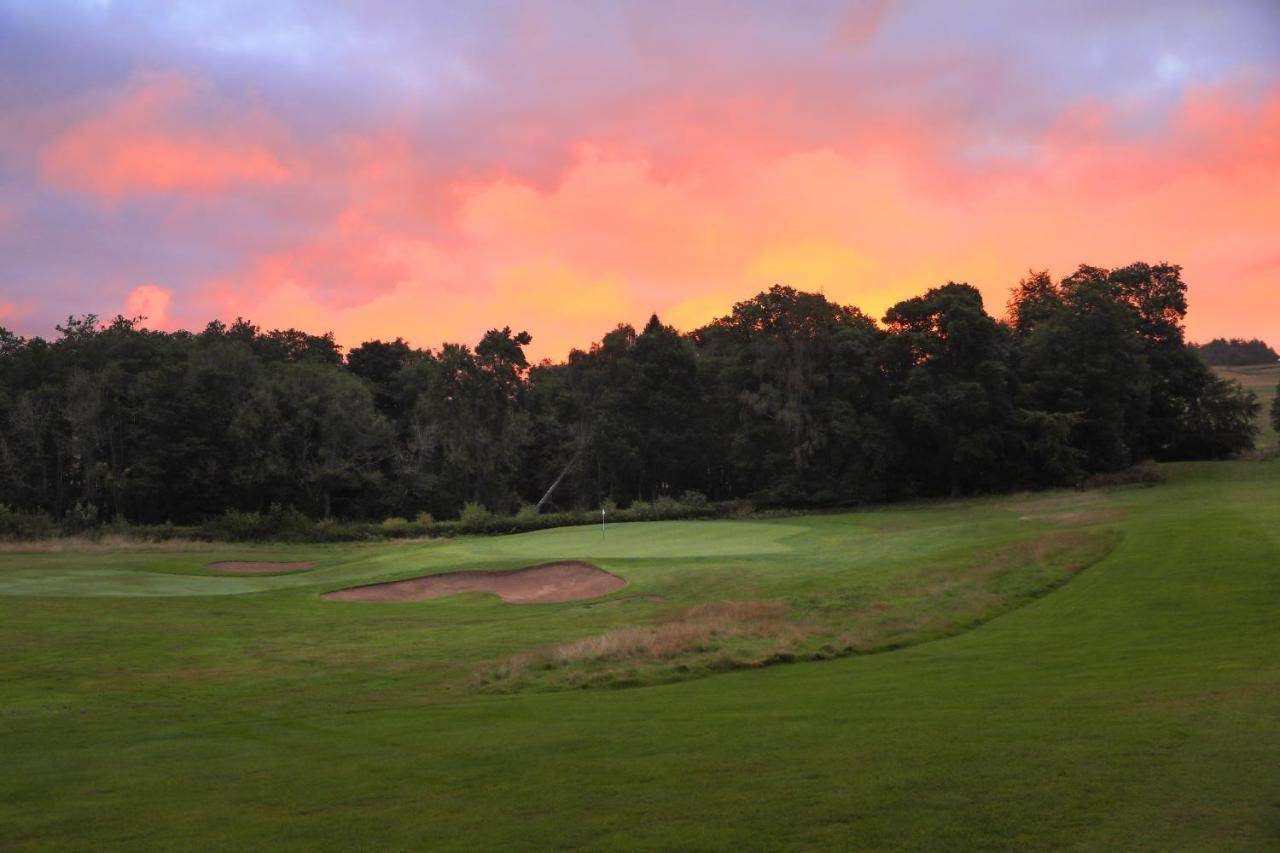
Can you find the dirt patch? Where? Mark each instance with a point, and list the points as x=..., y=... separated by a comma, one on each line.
x=249, y=567
x=626, y=599
x=1033, y=505
x=551, y=582
x=1085, y=516
x=1068, y=510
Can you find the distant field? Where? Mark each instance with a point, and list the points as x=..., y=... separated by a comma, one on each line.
x=1095, y=670
x=1261, y=379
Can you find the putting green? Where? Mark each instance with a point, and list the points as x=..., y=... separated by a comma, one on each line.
x=160, y=574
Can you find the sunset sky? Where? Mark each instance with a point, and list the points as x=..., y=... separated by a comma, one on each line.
x=432, y=170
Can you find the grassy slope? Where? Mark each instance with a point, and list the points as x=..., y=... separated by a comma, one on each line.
x=1261, y=379
x=1135, y=707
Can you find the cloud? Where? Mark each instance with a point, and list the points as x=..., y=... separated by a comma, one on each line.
x=150, y=302
x=164, y=134
x=562, y=167
x=397, y=246
x=880, y=219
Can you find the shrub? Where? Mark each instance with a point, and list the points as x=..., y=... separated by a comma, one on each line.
x=288, y=524
x=693, y=499
x=527, y=514
x=475, y=518
x=425, y=519
x=332, y=530
x=19, y=525
x=235, y=526
x=667, y=507
x=80, y=518
x=281, y=523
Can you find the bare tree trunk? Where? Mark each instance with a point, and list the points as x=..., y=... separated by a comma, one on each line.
x=546, y=497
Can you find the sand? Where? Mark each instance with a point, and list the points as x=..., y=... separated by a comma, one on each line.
x=551, y=582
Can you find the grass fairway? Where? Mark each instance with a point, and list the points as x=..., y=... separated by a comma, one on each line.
x=1104, y=672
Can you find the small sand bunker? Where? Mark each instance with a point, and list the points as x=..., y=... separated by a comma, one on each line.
x=566, y=581
x=249, y=567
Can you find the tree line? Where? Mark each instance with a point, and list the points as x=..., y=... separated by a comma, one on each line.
x=1237, y=352
x=790, y=399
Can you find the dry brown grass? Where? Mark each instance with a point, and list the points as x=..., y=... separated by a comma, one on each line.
x=106, y=543
x=1035, y=504
x=933, y=603
x=1068, y=510
x=1086, y=516
x=701, y=629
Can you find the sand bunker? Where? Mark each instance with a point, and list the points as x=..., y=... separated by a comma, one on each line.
x=566, y=581
x=239, y=566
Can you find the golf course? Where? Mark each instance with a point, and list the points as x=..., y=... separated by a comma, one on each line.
x=1083, y=670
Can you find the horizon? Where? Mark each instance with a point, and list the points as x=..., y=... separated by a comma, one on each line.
x=563, y=168
x=141, y=323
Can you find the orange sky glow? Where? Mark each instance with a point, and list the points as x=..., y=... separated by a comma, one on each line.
x=196, y=197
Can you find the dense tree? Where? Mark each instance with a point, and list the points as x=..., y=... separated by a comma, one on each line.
x=1275, y=411
x=954, y=401
x=788, y=399
x=663, y=403
x=1237, y=352
x=1087, y=361
x=379, y=363
x=1219, y=419
x=308, y=437
x=1034, y=300
x=465, y=429
x=793, y=386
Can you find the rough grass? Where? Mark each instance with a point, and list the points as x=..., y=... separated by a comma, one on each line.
x=706, y=637
x=106, y=543
x=716, y=636
x=1131, y=708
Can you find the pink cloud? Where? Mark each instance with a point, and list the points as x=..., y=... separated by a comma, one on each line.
x=165, y=134
x=150, y=302
x=880, y=214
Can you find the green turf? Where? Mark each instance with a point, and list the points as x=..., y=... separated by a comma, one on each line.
x=1261, y=379
x=147, y=704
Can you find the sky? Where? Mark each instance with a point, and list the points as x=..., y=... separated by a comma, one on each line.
x=432, y=170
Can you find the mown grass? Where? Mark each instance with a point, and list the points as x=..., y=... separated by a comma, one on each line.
x=1134, y=707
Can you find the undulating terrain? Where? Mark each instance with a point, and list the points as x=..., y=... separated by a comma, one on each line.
x=1078, y=670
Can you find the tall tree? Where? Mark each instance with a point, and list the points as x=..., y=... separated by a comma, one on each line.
x=1088, y=361
x=1034, y=300
x=380, y=363
x=309, y=436
x=954, y=401
x=775, y=380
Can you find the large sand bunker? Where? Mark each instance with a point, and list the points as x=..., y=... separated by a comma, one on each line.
x=565, y=581
x=259, y=566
